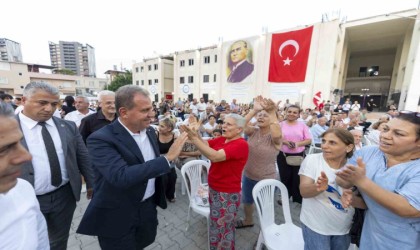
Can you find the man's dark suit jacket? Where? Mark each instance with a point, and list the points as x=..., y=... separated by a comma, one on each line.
x=241, y=72
x=121, y=177
x=75, y=154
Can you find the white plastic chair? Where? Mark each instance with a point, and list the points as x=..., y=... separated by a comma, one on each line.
x=314, y=149
x=194, y=171
x=283, y=236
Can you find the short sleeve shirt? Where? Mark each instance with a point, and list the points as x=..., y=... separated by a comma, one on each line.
x=382, y=229
x=225, y=176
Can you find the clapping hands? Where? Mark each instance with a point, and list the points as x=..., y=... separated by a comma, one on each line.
x=322, y=182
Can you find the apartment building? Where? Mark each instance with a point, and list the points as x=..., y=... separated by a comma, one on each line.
x=10, y=51
x=73, y=56
x=156, y=75
x=15, y=76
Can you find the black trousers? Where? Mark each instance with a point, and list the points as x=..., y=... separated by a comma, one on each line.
x=170, y=181
x=143, y=232
x=58, y=209
x=289, y=176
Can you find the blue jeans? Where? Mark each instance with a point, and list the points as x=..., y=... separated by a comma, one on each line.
x=247, y=186
x=316, y=241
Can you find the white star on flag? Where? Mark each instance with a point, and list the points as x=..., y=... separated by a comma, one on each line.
x=287, y=61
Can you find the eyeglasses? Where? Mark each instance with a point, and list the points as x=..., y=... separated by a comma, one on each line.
x=408, y=112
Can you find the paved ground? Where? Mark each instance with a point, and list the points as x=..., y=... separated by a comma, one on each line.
x=172, y=224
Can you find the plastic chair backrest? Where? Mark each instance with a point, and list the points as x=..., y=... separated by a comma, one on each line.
x=264, y=197
x=193, y=170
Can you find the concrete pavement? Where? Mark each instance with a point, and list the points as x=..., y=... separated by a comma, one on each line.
x=171, y=233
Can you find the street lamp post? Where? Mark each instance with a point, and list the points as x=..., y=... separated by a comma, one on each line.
x=364, y=91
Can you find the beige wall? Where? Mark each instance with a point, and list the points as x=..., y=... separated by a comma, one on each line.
x=13, y=76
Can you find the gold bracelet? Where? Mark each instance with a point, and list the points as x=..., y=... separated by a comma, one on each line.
x=273, y=123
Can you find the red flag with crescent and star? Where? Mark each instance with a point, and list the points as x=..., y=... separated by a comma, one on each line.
x=289, y=55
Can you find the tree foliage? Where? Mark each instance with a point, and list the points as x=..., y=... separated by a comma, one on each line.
x=121, y=80
x=64, y=72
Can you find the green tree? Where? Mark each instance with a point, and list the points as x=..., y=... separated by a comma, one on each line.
x=64, y=72
x=121, y=80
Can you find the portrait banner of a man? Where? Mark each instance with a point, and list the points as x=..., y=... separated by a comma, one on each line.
x=240, y=58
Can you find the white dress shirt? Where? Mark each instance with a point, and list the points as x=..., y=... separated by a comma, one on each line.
x=33, y=136
x=77, y=117
x=148, y=154
x=22, y=225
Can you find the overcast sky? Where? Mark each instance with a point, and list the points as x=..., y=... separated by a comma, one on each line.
x=126, y=31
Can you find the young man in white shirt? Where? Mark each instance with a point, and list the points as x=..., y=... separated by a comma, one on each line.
x=22, y=224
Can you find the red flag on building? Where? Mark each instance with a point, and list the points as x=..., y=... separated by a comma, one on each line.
x=289, y=55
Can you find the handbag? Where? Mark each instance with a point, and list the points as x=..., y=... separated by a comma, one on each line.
x=294, y=160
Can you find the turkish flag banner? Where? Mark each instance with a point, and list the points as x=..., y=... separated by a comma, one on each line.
x=289, y=55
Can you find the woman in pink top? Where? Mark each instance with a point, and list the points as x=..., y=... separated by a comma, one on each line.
x=295, y=137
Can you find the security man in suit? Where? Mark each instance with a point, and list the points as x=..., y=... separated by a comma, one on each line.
x=58, y=157
x=128, y=171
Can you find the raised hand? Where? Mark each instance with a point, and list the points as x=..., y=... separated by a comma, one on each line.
x=258, y=102
x=269, y=105
x=322, y=182
x=354, y=174
x=176, y=147
x=347, y=198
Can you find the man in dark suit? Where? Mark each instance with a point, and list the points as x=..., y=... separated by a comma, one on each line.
x=58, y=157
x=128, y=175
x=239, y=66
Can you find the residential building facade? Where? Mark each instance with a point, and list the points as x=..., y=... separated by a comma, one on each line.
x=10, y=51
x=73, y=56
x=371, y=58
x=155, y=75
x=15, y=76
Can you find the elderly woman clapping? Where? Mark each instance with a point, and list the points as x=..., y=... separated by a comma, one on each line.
x=228, y=155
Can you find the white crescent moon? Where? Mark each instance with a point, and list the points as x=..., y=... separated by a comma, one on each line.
x=289, y=42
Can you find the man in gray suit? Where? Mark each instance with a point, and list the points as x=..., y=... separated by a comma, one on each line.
x=59, y=156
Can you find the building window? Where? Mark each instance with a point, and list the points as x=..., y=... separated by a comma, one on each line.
x=214, y=78
x=215, y=58
x=182, y=79
x=362, y=71
x=141, y=69
x=91, y=84
x=182, y=63
x=206, y=78
x=156, y=66
x=373, y=71
x=150, y=82
x=190, y=62
x=142, y=82
x=156, y=81
x=137, y=69
x=191, y=79
x=137, y=83
x=207, y=59
x=149, y=67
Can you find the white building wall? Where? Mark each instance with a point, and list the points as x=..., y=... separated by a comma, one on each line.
x=410, y=93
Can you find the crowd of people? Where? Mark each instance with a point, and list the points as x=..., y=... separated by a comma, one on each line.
x=126, y=149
